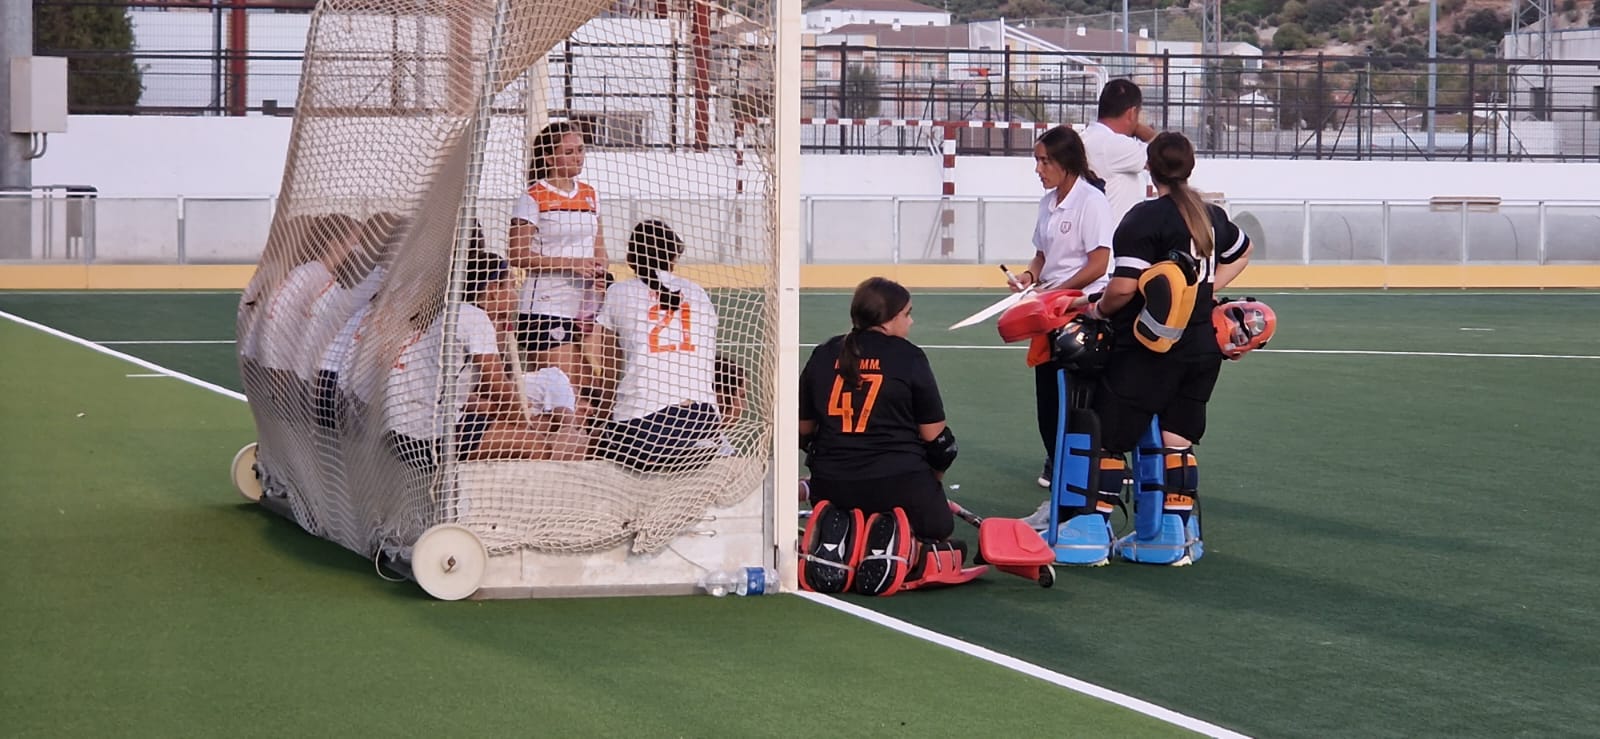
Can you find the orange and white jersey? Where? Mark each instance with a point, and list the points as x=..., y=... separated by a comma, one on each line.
x=566, y=224
x=669, y=357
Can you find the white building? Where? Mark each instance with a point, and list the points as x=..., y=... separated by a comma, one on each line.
x=1552, y=108
x=892, y=13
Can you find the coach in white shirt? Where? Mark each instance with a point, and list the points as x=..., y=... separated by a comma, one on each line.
x=1072, y=239
x=1116, y=146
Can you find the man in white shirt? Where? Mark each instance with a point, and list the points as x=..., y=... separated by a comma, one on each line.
x=1116, y=146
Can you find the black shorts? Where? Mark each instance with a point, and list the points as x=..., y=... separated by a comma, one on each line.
x=1138, y=384
x=919, y=493
x=539, y=333
x=678, y=438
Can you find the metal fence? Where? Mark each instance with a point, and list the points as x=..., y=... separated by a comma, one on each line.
x=1279, y=106
x=239, y=57
x=870, y=230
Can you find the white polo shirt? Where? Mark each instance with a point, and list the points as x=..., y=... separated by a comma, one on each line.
x=1067, y=231
x=1120, y=161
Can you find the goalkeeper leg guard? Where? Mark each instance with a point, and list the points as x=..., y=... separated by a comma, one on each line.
x=830, y=548
x=1174, y=539
x=1079, y=533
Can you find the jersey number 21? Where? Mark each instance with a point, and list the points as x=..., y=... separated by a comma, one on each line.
x=660, y=320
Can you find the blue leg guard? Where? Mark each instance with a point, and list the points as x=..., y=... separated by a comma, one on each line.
x=1166, y=513
x=1079, y=533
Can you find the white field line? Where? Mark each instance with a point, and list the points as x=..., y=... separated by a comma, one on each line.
x=152, y=366
x=164, y=341
x=916, y=632
x=1027, y=668
x=120, y=292
x=1442, y=292
x=143, y=375
x=1350, y=352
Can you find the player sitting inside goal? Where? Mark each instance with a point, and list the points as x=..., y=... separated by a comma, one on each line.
x=660, y=329
x=482, y=392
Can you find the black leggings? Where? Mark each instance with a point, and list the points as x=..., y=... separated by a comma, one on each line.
x=919, y=493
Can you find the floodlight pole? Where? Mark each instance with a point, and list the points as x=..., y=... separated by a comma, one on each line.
x=16, y=171
x=1433, y=72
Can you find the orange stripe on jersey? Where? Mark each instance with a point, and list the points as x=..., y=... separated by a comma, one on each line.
x=582, y=200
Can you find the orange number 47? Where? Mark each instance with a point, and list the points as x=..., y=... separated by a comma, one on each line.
x=842, y=403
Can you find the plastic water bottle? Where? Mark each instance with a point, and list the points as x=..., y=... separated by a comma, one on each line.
x=742, y=581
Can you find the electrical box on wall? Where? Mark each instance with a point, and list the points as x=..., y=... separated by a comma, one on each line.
x=38, y=94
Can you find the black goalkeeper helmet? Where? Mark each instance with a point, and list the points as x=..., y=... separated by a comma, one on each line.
x=1083, y=345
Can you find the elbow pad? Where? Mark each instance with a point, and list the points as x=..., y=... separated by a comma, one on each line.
x=942, y=450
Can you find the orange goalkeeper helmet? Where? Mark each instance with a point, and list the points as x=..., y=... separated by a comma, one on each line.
x=1243, y=326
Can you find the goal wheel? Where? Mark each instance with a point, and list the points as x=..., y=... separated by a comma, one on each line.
x=244, y=473
x=1047, y=576
x=448, y=561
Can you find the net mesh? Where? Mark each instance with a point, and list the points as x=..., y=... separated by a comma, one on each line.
x=521, y=273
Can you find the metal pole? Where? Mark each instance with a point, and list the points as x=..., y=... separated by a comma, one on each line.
x=1125, y=30
x=1433, y=71
x=16, y=171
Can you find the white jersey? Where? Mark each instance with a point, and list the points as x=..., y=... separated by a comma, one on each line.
x=567, y=224
x=328, y=314
x=288, y=308
x=1120, y=161
x=669, y=356
x=549, y=390
x=409, y=397
x=1067, y=231
x=340, y=351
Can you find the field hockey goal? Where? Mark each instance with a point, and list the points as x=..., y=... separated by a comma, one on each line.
x=441, y=383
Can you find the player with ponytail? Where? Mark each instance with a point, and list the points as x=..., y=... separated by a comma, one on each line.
x=872, y=423
x=660, y=329
x=1170, y=256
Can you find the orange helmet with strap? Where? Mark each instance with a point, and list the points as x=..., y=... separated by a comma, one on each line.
x=1038, y=314
x=1243, y=326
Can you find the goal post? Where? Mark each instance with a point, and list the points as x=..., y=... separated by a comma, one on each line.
x=526, y=323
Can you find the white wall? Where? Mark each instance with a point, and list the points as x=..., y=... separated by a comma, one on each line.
x=155, y=156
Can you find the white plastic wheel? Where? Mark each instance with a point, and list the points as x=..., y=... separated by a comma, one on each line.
x=448, y=561
x=244, y=473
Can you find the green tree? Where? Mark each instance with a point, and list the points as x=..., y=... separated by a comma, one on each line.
x=1483, y=23
x=98, y=43
x=861, y=94
x=1290, y=37
x=1322, y=15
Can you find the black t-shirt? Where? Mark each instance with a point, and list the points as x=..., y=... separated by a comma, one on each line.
x=1146, y=235
x=870, y=431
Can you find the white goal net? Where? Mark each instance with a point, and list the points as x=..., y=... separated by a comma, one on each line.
x=519, y=303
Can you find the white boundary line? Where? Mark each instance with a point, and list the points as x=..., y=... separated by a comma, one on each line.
x=164, y=341
x=1442, y=292
x=894, y=624
x=1348, y=352
x=119, y=292
x=152, y=366
x=1027, y=668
